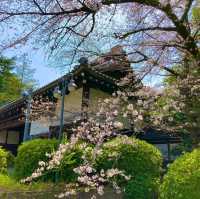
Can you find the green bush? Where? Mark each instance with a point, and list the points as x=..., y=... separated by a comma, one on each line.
x=3, y=160
x=183, y=178
x=30, y=153
x=6, y=160
x=70, y=161
x=10, y=160
x=137, y=158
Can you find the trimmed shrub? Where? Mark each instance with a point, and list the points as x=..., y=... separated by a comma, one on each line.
x=137, y=158
x=70, y=161
x=3, y=160
x=183, y=178
x=6, y=160
x=30, y=153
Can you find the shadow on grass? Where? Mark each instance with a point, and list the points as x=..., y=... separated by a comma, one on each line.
x=51, y=195
x=11, y=189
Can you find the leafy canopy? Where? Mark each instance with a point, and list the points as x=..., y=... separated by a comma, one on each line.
x=10, y=84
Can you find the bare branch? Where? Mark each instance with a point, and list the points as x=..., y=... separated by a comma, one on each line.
x=60, y=6
x=73, y=11
x=123, y=36
x=155, y=62
x=25, y=38
x=187, y=9
x=38, y=6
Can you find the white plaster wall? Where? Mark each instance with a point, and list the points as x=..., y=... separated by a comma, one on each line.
x=72, y=105
x=72, y=111
x=95, y=95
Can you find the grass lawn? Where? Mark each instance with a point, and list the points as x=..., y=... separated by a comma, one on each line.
x=10, y=188
x=7, y=183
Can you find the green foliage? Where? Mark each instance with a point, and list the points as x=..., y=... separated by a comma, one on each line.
x=6, y=65
x=70, y=161
x=3, y=160
x=6, y=182
x=179, y=105
x=183, y=178
x=196, y=14
x=12, y=186
x=10, y=160
x=6, y=160
x=137, y=158
x=30, y=153
x=184, y=146
x=24, y=71
x=169, y=80
x=10, y=85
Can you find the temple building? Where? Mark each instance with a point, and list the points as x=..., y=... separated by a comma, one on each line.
x=94, y=80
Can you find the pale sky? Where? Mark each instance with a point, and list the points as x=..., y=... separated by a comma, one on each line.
x=45, y=73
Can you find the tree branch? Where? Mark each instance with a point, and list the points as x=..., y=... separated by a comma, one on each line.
x=154, y=3
x=187, y=9
x=38, y=6
x=123, y=36
x=155, y=62
x=66, y=12
x=180, y=26
x=60, y=6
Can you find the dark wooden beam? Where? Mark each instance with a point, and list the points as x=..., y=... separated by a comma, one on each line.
x=85, y=100
x=11, y=124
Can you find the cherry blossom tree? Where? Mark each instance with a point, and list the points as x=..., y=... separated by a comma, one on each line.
x=157, y=34
x=112, y=115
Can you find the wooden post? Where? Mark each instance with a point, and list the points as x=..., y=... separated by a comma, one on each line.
x=85, y=101
x=169, y=151
x=6, y=137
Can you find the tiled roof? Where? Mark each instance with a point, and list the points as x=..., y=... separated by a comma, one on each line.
x=56, y=82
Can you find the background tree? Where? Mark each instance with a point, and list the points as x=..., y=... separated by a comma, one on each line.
x=13, y=79
x=25, y=72
x=10, y=85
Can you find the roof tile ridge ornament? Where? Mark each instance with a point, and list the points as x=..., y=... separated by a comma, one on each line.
x=90, y=67
x=83, y=61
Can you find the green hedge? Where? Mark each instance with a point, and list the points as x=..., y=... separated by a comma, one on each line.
x=70, y=161
x=137, y=158
x=30, y=153
x=3, y=160
x=182, y=180
x=6, y=160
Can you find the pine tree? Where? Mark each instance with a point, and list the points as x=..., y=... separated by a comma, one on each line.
x=25, y=72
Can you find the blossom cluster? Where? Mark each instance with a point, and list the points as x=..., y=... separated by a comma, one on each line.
x=90, y=179
x=94, y=5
